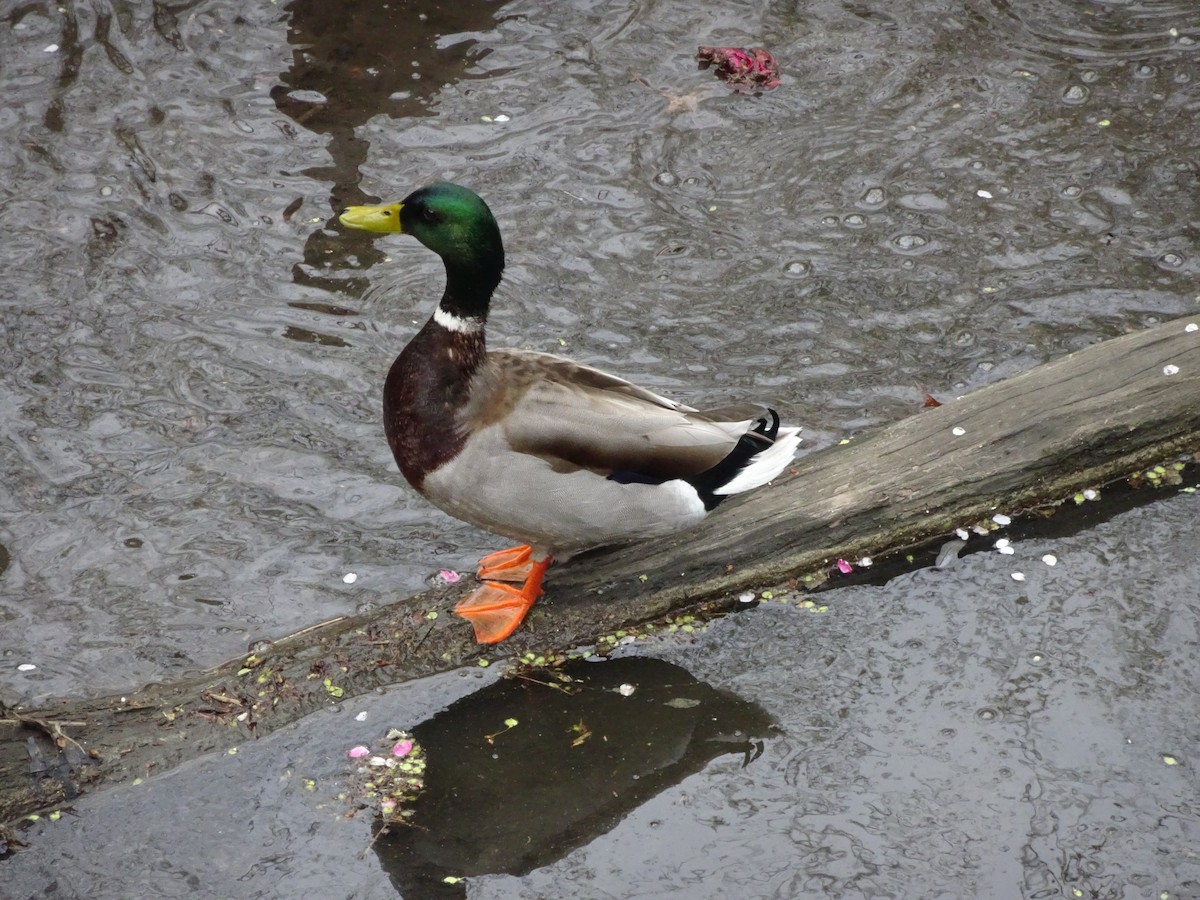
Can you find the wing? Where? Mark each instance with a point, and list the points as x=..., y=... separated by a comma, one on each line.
x=577, y=417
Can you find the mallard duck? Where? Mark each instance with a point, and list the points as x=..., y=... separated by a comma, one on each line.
x=559, y=456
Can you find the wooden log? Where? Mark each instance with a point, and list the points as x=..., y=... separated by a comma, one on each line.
x=1087, y=419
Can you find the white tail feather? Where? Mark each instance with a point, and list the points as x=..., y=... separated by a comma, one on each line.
x=765, y=465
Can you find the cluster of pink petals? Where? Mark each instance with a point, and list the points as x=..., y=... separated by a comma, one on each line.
x=745, y=71
x=401, y=749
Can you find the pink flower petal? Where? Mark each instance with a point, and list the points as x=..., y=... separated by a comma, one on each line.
x=402, y=748
x=360, y=750
x=844, y=567
x=448, y=576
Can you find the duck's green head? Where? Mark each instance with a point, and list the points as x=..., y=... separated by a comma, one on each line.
x=449, y=219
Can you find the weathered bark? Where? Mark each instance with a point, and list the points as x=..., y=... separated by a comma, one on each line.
x=1097, y=415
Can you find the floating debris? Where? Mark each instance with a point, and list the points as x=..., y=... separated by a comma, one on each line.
x=682, y=703
x=1001, y=519
x=349, y=578
x=844, y=567
x=392, y=777
x=747, y=597
x=963, y=534
x=1018, y=576
x=948, y=553
x=1050, y=559
x=581, y=732
x=746, y=71
x=986, y=195
x=447, y=576
x=26, y=667
x=1170, y=369
x=1190, y=327
x=509, y=725
x=958, y=431
x=1004, y=545
x=626, y=690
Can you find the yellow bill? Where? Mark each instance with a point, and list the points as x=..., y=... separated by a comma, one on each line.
x=379, y=219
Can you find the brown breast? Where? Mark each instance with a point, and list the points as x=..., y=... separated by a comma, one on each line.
x=427, y=386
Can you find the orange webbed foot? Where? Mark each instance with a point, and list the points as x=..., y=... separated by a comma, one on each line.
x=513, y=564
x=495, y=609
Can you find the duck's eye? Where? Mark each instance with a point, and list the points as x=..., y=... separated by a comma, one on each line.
x=430, y=215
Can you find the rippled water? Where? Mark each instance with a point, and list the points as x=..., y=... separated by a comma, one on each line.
x=940, y=195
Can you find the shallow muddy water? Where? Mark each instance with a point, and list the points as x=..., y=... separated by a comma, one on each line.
x=939, y=195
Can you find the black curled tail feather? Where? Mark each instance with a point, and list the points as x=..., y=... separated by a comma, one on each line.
x=750, y=444
x=768, y=431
